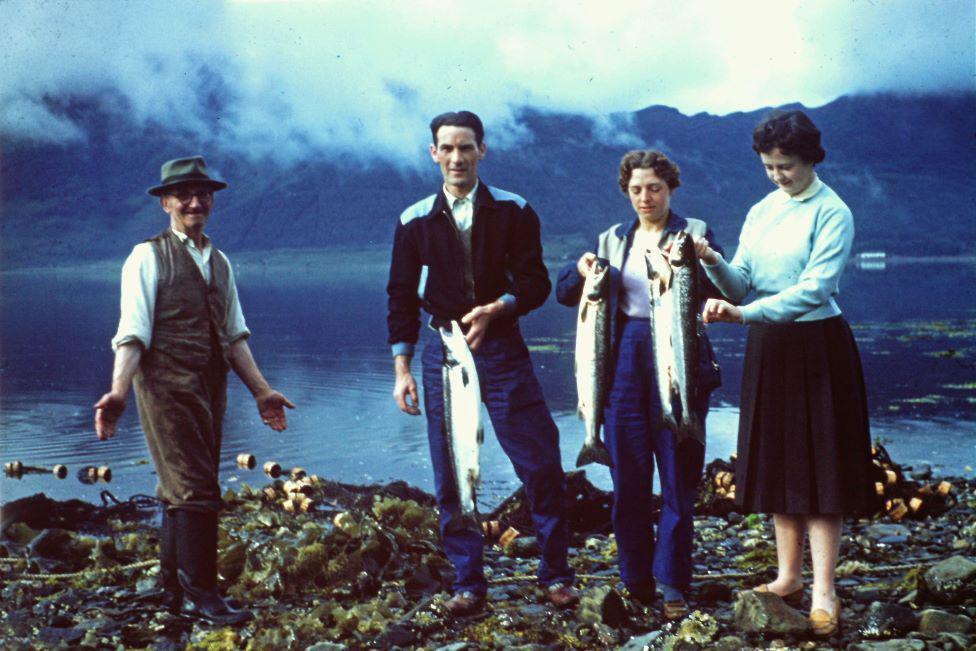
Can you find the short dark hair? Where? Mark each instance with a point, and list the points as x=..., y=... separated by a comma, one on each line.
x=663, y=167
x=458, y=119
x=793, y=133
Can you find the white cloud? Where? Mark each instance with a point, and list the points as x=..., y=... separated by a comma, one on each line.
x=362, y=78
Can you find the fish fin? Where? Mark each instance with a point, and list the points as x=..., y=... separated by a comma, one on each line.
x=596, y=453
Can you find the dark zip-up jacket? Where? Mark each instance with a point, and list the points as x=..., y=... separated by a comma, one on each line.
x=427, y=266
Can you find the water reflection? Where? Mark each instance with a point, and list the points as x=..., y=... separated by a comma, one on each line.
x=322, y=342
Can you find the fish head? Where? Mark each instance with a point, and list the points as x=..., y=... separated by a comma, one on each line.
x=597, y=282
x=455, y=344
x=682, y=251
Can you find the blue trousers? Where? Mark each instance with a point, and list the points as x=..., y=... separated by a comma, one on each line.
x=636, y=437
x=528, y=436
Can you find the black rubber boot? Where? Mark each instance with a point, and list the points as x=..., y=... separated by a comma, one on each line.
x=196, y=541
x=168, y=565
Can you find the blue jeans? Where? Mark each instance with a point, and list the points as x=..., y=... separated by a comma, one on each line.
x=528, y=436
x=636, y=437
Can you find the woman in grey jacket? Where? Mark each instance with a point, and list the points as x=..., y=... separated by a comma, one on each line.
x=634, y=431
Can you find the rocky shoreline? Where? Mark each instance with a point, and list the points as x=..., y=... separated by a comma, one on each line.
x=360, y=568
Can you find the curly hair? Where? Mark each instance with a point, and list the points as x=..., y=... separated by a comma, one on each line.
x=663, y=167
x=793, y=133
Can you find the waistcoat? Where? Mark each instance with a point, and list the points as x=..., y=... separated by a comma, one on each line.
x=189, y=324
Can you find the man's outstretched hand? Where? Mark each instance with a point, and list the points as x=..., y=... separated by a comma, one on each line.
x=271, y=406
x=107, y=412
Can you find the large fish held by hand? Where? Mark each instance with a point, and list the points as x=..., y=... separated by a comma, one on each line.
x=675, y=328
x=462, y=420
x=593, y=361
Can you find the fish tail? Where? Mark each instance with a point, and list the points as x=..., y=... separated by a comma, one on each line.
x=464, y=522
x=596, y=453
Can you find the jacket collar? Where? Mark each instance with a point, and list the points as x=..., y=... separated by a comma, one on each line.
x=674, y=224
x=482, y=198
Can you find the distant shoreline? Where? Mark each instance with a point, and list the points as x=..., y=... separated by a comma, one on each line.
x=246, y=263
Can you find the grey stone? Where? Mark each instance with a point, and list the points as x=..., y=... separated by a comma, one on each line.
x=939, y=621
x=601, y=605
x=885, y=620
x=524, y=547
x=889, y=645
x=767, y=613
x=921, y=471
x=947, y=582
x=642, y=642
x=880, y=531
x=954, y=641
x=455, y=646
x=326, y=646
x=729, y=643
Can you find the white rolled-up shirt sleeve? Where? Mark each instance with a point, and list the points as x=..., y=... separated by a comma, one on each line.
x=138, y=297
x=236, y=327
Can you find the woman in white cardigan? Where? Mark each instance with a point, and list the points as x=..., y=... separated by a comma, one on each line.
x=804, y=441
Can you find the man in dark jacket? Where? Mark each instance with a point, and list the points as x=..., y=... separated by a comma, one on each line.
x=180, y=331
x=472, y=253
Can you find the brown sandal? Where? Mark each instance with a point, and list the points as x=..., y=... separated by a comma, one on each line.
x=792, y=599
x=825, y=624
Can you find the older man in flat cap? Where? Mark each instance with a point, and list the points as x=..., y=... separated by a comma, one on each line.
x=180, y=331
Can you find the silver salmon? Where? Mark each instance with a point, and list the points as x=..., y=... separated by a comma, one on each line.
x=462, y=420
x=593, y=362
x=675, y=329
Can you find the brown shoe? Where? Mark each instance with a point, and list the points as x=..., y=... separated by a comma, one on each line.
x=792, y=599
x=465, y=603
x=675, y=610
x=563, y=596
x=826, y=624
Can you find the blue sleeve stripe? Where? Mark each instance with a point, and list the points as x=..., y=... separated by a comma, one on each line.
x=419, y=209
x=504, y=195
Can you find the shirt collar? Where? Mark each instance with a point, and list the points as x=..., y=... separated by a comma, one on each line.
x=185, y=239
x=810, y=190
x=453, y=201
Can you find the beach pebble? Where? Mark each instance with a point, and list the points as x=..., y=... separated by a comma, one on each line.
x=646, y=641
x=767, y=613
x=948, y=581
x=939, y=621
x=885, y=620
x=889, y=645
x=601, y=604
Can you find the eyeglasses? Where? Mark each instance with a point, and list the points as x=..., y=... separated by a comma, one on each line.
x=186, y=196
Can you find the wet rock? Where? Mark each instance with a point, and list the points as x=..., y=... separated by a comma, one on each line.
x=885, y=620
x=696, y=629
x=326, y=646
x=947, y=582
x=729, y=643
x=50, y=543
x=54, y=635
x=883, y=530
x=713, y=591
x=641, y=642
x=767, y=613
x=889, y=645
x=921, y=471
x=523, y=547
x=955, y=641
x=601, y=605
x=939, y=621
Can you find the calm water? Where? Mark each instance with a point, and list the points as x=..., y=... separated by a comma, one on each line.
x=320, y=338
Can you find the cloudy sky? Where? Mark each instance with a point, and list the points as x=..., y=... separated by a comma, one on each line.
x=365, y=77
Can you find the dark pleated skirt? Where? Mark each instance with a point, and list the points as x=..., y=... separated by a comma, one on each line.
x=804, y=438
